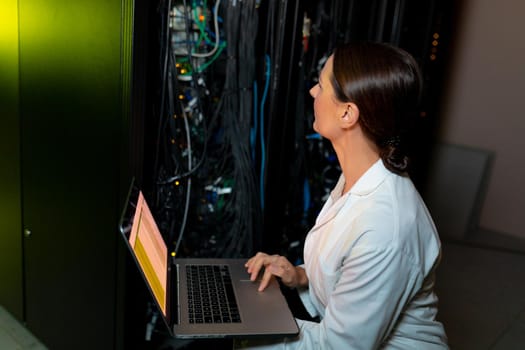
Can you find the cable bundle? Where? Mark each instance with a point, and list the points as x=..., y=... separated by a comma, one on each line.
x=206, y=198
x=240, y=33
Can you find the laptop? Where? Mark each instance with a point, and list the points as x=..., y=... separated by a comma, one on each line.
x=177, y=287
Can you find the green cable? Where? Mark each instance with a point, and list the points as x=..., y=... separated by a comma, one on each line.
x=203, y=66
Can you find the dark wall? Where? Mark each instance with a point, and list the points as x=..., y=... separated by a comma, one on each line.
x=10, y=223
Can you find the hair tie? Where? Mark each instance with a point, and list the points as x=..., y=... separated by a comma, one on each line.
x=393, y=141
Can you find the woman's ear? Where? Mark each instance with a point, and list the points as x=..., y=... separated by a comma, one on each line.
x=350, y=116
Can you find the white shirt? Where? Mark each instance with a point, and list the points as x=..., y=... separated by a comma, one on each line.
x=370, y=261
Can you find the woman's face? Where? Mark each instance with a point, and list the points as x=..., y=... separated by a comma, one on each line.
x=327, y=109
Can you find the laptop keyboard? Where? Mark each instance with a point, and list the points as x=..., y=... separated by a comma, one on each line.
x=210, y=295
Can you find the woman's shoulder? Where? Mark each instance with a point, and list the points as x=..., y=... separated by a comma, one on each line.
x=393, y=218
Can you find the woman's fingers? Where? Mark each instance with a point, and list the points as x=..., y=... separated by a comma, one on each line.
x=255, y=264
x=274, y=265
x=286, y=271
x=267, y=276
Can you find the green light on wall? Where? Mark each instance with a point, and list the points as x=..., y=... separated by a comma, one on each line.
x=8, y=48
x=8, y=24
x=69, y=49
x=81, y=26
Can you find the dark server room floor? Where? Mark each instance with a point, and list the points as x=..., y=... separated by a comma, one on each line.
x=481, y=288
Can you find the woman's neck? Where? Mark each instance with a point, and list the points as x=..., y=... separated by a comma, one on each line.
x=355, y=155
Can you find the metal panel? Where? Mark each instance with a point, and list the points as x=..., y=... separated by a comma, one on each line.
x=71, y=116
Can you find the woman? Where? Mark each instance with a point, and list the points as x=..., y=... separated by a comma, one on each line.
x=371, y=256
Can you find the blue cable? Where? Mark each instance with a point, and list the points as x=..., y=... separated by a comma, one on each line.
x=314, y=136
x=261, y=130
x=306, y=198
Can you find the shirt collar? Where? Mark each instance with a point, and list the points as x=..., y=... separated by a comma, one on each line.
x=367, y=183
x=371, y=179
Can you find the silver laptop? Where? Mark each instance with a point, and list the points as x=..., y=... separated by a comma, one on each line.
x=233, y=307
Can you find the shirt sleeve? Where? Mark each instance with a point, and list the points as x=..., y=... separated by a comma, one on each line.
x=373, y=288
x=304, y=295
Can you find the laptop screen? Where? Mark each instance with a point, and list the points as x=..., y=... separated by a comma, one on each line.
x=150, y=250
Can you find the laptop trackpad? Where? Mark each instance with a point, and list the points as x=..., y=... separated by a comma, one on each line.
x=267, y=308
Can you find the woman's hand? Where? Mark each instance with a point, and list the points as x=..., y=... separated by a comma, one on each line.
x=275, y=265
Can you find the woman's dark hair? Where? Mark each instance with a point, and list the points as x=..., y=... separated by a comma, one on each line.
x=385, y=84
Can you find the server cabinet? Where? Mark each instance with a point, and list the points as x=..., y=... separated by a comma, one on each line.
x=65, y=155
